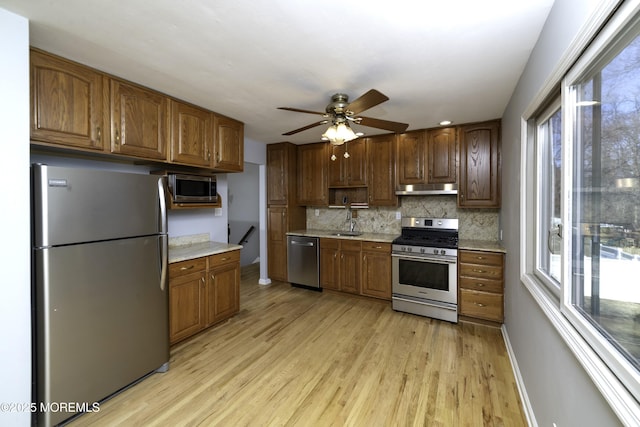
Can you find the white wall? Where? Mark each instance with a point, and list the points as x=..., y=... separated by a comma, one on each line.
x=15, y=284
x=244, y=211
x=558, y=388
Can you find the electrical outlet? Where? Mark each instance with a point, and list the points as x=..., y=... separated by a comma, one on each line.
x=217, y=212
x=398, y=215
x=317, y=212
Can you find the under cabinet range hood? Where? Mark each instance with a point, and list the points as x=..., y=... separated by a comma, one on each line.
x=426, y=189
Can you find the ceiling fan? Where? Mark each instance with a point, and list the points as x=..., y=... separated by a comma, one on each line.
x=340, y=113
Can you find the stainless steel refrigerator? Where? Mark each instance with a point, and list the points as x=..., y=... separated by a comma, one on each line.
x=99, y=285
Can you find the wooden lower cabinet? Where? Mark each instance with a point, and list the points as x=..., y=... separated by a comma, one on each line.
x=202, y=291
x=223, y=290
x=357, y=267
x=376, y=270
x=481, y=285
x=187, y=285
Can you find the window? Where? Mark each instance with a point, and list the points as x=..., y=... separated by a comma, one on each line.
x=603, y=279
x=581, y=212
x=549, y=165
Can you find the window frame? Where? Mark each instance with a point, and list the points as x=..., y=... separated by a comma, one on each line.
x=618, y=388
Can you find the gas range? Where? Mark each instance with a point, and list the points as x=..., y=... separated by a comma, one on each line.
x=424, y=268
x=428, y=237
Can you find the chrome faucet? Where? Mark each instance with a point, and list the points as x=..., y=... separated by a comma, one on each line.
x=351, y=221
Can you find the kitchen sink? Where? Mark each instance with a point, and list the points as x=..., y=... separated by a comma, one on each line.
x=347, y=233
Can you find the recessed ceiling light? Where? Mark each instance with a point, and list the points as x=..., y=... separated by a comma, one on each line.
x=445, y=122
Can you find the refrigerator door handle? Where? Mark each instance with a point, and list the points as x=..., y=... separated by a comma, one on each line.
x=163, y=206
x=164, y=260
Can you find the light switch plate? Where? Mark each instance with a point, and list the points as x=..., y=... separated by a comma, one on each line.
x=217, y=212
x=317, y=212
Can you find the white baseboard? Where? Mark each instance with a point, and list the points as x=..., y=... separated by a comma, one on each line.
x=528, y=410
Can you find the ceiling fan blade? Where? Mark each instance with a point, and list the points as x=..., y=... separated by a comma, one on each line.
x=396, y=127
x=366, y=101
x=298, y=110
x=322, y=122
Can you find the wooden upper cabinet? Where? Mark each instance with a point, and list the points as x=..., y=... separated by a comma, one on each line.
x=312, y=174
x=479, y=185
x=228, y=145
x=441, y=155
x=66, y=103
x=350, y=171
x=281, y=172
x=191, y=134
x=411, y=158
x=139, y=121
x=381, y=169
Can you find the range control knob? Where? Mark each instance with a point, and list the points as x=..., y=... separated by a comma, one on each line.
x=409, y=249
x=422, y=250
x=443, y=252
x=435, y=251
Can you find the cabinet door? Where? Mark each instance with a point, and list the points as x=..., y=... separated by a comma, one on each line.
x=66, y=103
x=191, y=134
x=278, y=173
x=479, y=185
x=223, y=292
x=441, y=155
x=381, y=169
x=411, y=158
x=139, y=121
x=312, y=174
x=228, y=144
x=349, y=171
x=376, y=270
x=277, y=242
x=350, y=274
x=186, y=312
x=329, y=264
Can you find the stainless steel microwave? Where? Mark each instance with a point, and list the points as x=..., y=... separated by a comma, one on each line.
x=192, y=188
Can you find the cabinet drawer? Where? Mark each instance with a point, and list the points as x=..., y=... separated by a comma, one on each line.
x=224, y=258
x=484, y=285
x=481, y=305
x=329, y=243
x=376, y=247
x=188, y=266
x=480, y=271
x=480, y=257
x=350, y=245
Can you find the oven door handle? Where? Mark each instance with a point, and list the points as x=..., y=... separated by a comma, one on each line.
x=426, y=258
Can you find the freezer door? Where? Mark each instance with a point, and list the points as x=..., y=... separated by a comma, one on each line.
x=74, y=205
x=101, y=319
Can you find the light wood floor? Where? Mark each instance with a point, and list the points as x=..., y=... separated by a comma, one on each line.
x=302, y=358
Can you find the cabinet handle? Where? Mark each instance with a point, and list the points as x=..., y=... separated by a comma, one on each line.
x=364, y=258
x=480, y=285
x=335, y=256
x=377, y=247
x=479, y=304
x=202, y=280
x=99, y=134
x=478, y=271
x=117, y=137
x=208, y=154
x=218, y=157
x=187, y=268
x=224, y=259
x=213, y=277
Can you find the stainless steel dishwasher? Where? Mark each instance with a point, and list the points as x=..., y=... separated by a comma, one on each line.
x=303, y=264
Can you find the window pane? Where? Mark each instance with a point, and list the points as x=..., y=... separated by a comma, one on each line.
x=550, y=166
x=605, y=268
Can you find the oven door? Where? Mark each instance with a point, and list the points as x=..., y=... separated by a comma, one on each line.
x=433, y=278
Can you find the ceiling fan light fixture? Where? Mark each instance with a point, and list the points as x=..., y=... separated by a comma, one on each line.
x=338, y=134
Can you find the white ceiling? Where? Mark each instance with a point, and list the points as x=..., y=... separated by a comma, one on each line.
x=456, y=59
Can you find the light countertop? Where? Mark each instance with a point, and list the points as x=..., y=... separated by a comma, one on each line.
x=199, y=249
x=481, y=245
x=372, y=237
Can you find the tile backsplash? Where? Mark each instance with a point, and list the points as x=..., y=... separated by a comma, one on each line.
x=481, y=224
